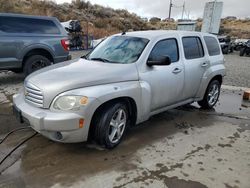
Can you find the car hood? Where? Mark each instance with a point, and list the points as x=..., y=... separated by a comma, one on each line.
x=79, y=73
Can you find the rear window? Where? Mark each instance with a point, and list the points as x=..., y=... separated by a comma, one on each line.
x=212, y=46
x=27, y=25
x=192, y=47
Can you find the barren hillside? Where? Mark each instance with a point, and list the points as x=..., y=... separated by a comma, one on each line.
x=103, y=21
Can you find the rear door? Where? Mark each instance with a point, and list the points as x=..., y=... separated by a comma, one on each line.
x=196, y=64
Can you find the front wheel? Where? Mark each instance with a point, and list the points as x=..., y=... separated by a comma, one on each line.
x=111, y=125
x=211, y=96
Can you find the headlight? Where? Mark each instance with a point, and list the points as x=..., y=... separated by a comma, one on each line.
x=70, y=102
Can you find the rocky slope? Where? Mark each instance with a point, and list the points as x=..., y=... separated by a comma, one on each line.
x=103, y=21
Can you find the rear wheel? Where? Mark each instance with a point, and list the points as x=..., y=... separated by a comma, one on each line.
x=34, y=63
x=225, y=50
x=211, y=96
x=111, y=125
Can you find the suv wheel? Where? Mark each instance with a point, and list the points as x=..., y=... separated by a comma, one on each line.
x=111, y=125
x=211, y=96
x=34, y=63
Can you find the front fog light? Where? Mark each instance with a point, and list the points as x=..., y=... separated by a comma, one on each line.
x=70, y=102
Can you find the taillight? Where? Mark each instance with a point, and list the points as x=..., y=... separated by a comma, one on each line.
x=65, y=44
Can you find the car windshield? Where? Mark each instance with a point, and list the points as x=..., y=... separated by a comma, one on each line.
x=119, y=49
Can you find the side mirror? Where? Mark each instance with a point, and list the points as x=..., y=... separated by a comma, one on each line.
x=162, y=62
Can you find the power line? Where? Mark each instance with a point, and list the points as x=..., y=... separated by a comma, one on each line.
x=172, y=5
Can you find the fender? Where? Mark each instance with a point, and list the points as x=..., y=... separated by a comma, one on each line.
x=213, y=71
x=146, y=99
x=107, y=92
x=30, y=47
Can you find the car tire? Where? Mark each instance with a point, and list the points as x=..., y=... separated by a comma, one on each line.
x=242, y=52
x=34, y=63
x=211, y=96
x=111, y=125
x=231, y=50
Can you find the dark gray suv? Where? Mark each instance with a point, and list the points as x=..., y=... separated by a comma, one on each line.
x=28, y=43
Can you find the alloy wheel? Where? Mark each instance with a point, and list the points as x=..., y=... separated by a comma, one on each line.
x=213, y=94
x=117, y=126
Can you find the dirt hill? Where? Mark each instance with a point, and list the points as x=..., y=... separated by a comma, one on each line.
x=103, y=21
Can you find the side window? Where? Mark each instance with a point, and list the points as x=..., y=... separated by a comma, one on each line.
x=168, y=47
x=212, y=46
x=27, y=25
x=192, y=47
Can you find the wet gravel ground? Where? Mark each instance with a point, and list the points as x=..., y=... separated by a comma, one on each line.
x=238, y=70
x=181, y=148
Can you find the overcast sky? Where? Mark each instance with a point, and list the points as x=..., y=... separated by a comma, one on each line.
x=159, y=8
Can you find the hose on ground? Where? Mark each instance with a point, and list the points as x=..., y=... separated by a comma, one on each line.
x=16, y=147
x=15, y=130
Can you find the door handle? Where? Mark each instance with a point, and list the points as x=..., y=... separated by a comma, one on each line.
x=176, y=71
x=205, y=64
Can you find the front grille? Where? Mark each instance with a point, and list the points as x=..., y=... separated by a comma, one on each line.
x=33, y=94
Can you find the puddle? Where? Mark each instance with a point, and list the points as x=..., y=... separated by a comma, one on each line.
x=231, y=103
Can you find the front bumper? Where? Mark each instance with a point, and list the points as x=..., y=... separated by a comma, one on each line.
x=57, y=126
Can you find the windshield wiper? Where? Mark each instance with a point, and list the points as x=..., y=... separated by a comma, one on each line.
x=100, y=59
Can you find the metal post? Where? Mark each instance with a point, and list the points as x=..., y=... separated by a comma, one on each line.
x=210, y=25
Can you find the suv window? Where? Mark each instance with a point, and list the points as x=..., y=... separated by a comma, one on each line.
x=167, y=47
x=27, y=25
x=212, y=46
x=192, y=47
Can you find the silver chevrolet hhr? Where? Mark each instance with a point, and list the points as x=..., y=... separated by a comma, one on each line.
x=126, y=79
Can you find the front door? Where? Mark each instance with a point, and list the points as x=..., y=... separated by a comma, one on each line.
x=166, y=82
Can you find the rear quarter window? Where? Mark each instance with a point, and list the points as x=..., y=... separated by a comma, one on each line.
x=27, y=25
x=212, y=46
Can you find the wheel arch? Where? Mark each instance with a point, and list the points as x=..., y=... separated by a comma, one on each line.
x=206, y=82
x=38, y=51
x=128, y=101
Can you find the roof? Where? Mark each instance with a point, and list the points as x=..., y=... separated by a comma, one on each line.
x=27, y=16
x=151, y=34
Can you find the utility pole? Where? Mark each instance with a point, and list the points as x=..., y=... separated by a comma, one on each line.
x=183, y=10
x=170, y=8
